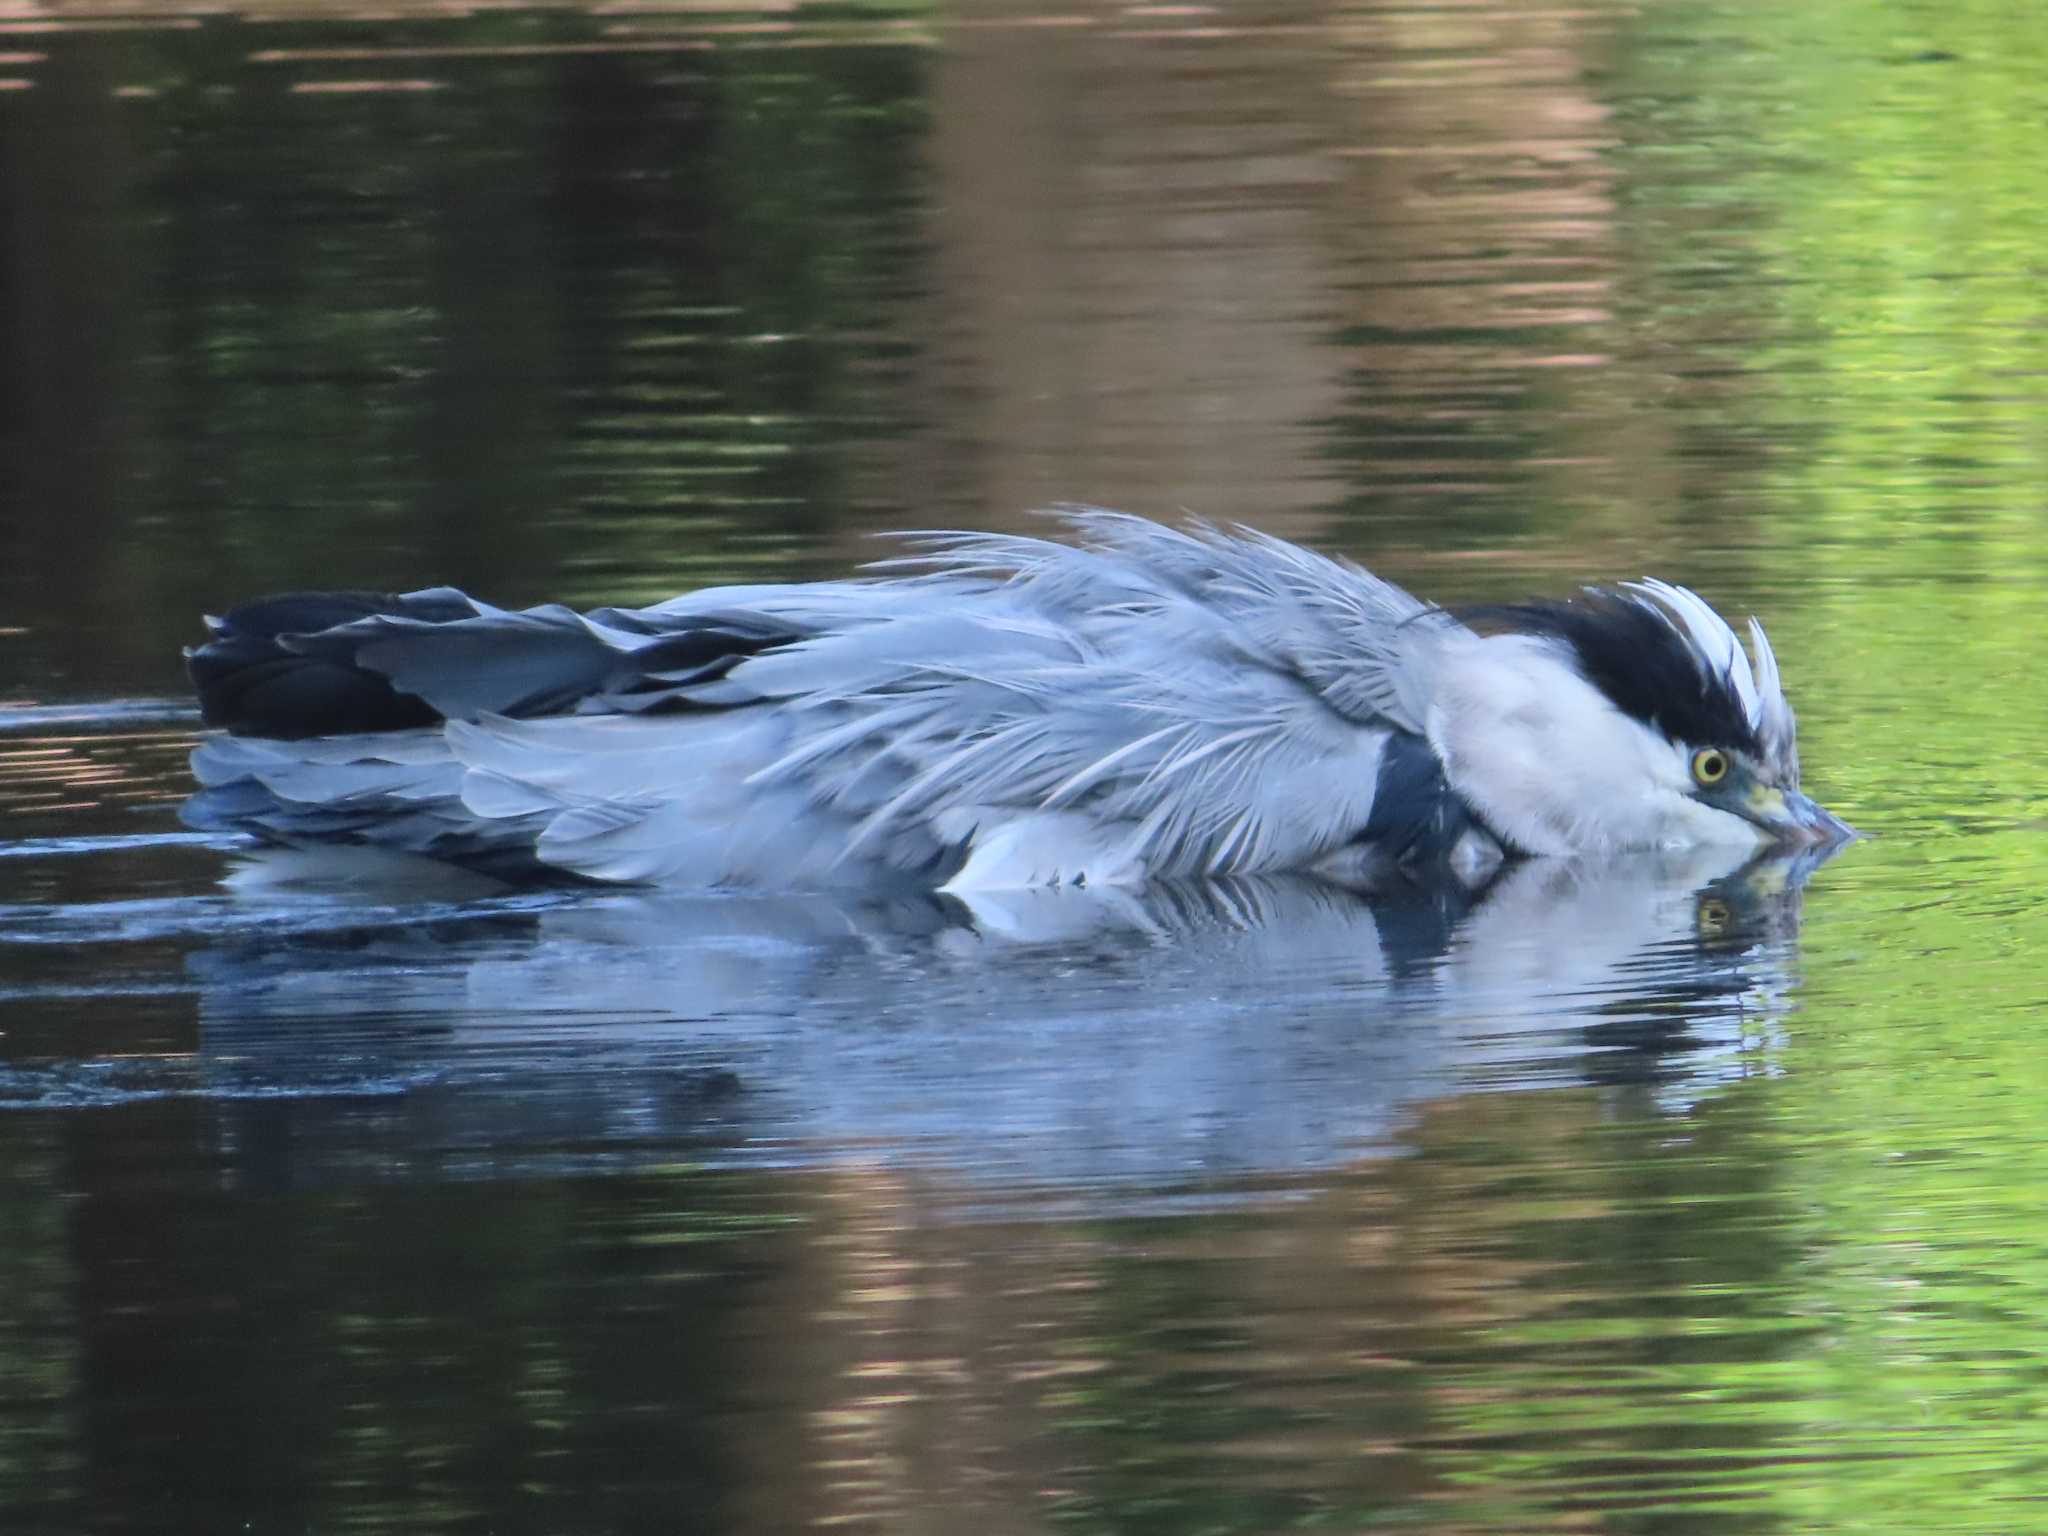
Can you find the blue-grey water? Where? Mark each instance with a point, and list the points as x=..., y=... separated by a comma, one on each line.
x=1659, y=1196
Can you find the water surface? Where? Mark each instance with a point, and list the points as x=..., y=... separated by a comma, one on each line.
x=1658, y=1197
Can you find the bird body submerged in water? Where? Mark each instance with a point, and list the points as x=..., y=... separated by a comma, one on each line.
x=996, y=711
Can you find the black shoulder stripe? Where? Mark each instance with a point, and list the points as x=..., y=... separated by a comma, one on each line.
x=1416, y=817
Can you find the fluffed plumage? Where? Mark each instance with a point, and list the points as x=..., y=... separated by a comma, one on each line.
x=998, y=711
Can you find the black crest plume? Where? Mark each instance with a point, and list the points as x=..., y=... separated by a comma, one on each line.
x=1635, y=654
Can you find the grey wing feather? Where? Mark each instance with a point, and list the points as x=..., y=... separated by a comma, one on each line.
x=547, y=659
x=1221, y=700
x=1346, y=634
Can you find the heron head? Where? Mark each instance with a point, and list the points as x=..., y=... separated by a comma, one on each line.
x=1625, y=718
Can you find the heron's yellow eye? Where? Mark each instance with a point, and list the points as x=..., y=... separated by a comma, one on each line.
x=1710, y=765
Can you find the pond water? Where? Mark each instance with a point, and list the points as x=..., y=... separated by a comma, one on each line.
x=1662, y=1197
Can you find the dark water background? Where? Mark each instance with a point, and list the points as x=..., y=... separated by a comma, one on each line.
x=1656, y=1199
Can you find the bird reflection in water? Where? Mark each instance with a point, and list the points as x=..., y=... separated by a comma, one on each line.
x=1055, y=1036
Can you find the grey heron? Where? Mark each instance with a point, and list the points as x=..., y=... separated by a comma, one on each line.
x=994, y=711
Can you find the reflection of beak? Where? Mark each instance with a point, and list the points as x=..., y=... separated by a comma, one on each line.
x=1791, y=817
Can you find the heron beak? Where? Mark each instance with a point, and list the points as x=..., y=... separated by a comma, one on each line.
x=1791, y=817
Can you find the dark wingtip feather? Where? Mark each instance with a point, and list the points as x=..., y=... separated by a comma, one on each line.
x=252, y=681
x=315, y=664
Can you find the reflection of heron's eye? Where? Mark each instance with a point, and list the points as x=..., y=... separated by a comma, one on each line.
x=1714, y=917
x=1710, y=765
